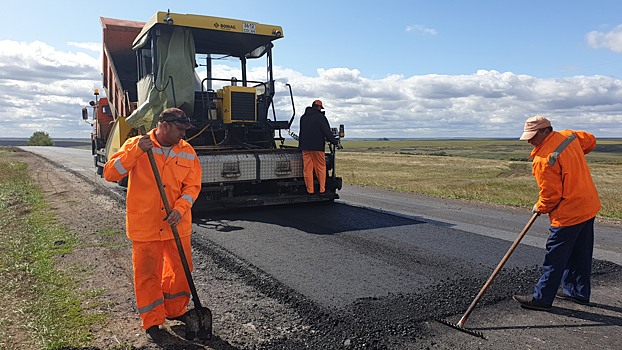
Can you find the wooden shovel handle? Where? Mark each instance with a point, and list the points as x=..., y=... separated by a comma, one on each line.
x=496, y=271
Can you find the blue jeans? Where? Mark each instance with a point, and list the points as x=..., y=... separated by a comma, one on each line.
x=568, y=260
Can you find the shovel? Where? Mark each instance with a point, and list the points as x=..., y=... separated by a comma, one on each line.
x=460, y=325
x=201, y=322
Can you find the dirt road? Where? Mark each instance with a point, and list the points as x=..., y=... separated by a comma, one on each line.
x=267, y=278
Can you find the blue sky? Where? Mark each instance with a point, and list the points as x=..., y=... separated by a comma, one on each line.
x=384, y=69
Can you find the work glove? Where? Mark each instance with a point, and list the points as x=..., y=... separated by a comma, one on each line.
x=535, y=208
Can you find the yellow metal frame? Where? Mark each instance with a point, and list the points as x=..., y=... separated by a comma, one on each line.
x=224, y=101
x=118, y=135
x=211, y=23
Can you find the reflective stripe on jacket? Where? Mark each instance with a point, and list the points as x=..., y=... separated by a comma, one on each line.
x=567, y=191
x=181, y=176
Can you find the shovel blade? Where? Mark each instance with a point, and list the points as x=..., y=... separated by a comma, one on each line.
x=193, y=326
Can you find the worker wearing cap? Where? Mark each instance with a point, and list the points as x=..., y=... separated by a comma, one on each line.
x=160, y=284
x=314, y=131
x=569, y=196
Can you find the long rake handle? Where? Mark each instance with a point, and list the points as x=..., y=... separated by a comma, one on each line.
x=180, y=248
x=496, y=271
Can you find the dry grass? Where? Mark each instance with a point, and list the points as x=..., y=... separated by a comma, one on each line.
x=494, y=172
x=454, y=177
x=608, y=180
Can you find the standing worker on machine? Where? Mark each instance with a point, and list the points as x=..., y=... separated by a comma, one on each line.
x=569, y=196
x=160, y=285
x=314, y=131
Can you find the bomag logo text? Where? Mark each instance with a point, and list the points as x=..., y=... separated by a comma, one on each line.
x=225, y=26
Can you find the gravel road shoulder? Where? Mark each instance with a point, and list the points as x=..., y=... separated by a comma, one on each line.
x=243, y=317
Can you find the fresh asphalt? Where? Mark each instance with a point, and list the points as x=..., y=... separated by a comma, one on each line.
x=368, y=244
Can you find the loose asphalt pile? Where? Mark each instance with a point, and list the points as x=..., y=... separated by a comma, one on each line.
x=377, y=323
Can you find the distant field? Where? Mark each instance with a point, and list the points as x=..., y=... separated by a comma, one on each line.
x=494, y=171
x=487, y=170
x=76, y=143
x=607, y=150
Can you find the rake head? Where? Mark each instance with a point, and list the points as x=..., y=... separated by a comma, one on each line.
x=460, y=328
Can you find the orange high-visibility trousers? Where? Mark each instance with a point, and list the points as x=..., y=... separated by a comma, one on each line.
x=160, y=283
x=314, y=162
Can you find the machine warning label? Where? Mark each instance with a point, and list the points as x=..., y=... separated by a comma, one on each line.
x=249, y=28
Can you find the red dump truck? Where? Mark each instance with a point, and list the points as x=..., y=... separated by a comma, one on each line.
x=240, y=140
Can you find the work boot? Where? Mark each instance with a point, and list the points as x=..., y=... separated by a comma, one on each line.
x=183, y=318
x=155, y=334
x=527, y=302
x=562, y=296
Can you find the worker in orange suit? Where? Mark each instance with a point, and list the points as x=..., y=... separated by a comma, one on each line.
x=569, y=196
x=160, y=284
x=314, y=131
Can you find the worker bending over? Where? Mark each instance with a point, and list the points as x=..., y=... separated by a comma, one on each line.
x=569, y=196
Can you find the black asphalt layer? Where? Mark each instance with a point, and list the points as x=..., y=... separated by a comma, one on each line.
x=376, y=286
x=335, y=254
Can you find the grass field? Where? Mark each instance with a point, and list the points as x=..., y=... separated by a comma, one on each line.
x=494, y=171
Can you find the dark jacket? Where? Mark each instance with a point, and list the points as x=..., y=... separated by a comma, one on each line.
x=314, y=131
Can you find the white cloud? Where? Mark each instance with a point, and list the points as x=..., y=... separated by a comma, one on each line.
x=43, y=88
x=96, y=47
x=421, y=29
x=44, y=59
x=611, y=40
x=485, y=104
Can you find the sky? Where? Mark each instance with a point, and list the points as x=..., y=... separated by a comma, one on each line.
x=390, y=69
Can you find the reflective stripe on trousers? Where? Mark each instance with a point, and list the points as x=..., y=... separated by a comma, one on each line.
x=160, y=283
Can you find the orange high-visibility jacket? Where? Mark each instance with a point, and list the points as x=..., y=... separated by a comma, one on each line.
x=567, y=191
x=181, y=176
